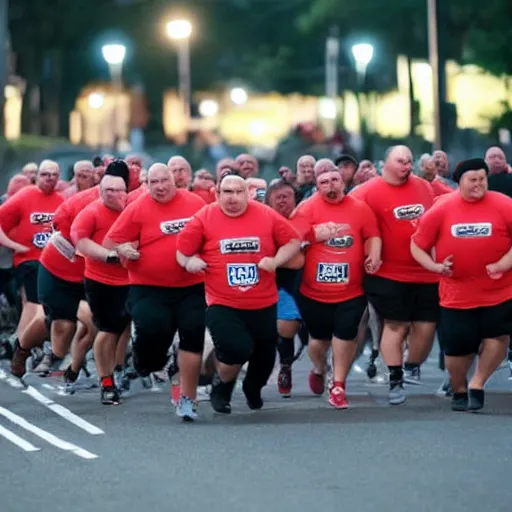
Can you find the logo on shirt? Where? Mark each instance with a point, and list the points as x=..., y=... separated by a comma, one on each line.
x=242, y=274
x=409, y=212
x=482, y=229
x=341, y=242
x=41, y=218
x=173, y=227
x=332, y=273
x=240, y=245
x=40, y=240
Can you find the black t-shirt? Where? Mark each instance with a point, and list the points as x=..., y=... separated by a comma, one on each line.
x=501, y=182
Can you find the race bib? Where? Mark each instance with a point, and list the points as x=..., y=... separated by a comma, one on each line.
x=63, y=246
x=242, y=274
x=40, y=240
x=332, y=273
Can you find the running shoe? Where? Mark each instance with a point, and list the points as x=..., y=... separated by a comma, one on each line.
x=284, y=381
x=316, y=383
x=396, y=395
x=338, y=398
x=186, y=409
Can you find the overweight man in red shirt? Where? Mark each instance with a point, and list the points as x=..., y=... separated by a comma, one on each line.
x=404, y=294
x=238, y=244
x=470, y=231
x=61, y=291
x=344, y=242
x=26, y=227
x=106, y=280
x=163, y=297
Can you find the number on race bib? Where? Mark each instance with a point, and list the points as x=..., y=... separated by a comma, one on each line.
x=242, y=274
x=332, y=273
x=41, y=239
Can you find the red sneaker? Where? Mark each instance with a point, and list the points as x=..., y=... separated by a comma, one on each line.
x=316, y=383
x=338, y=398
x=284, y=381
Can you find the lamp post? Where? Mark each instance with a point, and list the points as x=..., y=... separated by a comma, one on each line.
x=433, y=46
x=114, y=55
x=180, y=31
x=363, y=54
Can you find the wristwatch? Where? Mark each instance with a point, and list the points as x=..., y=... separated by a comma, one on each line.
x=113, y=257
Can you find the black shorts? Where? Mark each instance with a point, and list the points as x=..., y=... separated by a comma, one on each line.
x=461, y=331
x=403, y=302
x=324, y=320
x=26, y=277
x=108, y=306
x=60, y=298
x=236, y=332
x=158, y=312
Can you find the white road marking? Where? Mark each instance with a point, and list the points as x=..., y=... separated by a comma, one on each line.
x=46, y=436
x=358, y=369
x=63, y=412
x=17, y=440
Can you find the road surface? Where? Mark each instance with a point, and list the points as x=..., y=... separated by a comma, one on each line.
x=70, y=453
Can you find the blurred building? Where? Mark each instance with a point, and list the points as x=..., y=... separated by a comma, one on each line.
x=14, y=92
x=262, y=120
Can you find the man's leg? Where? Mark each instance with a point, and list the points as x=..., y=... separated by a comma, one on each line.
x=233, y=348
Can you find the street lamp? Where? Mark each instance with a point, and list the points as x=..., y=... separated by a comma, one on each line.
x=238, y=96
x=363, y=54
x=114, y=55
x=208, y=108
x=96, y=100
x=180, y=31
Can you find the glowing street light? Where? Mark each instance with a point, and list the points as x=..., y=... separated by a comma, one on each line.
x=114, y=55
x=239, y=96
x=96, y=100
x=363, y=54
x=208, y=108
x=180, y=31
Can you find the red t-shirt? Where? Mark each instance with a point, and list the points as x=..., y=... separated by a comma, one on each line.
x=475, y=234
x=208, y=196
x=155, y=226
x=334, y=270
x=440, y=188
x=135, y=194
x=28, y=217
x=398, y=209
x=52, y=259
x=94, y=222
x=232, y=247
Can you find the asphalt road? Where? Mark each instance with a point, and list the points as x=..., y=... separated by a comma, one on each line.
x=73, y=454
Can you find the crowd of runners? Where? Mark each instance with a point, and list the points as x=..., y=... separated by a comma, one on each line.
x=123, y=261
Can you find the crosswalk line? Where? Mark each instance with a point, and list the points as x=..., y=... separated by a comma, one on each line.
x=63, y=412
x=46, y=436
x=17, y=440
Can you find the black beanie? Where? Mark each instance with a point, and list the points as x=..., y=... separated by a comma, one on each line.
x=119, y=168
x=474, y=164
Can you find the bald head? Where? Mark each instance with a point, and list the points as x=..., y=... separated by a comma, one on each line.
x=398, y=165
x=161, y=183
x=324, y=165
x=47, y=176
x=30, y=171
x=181, y=170
x=496, y=160
x=113, y=192
x=248, y=165
x=442, y=163
x=305, y=170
